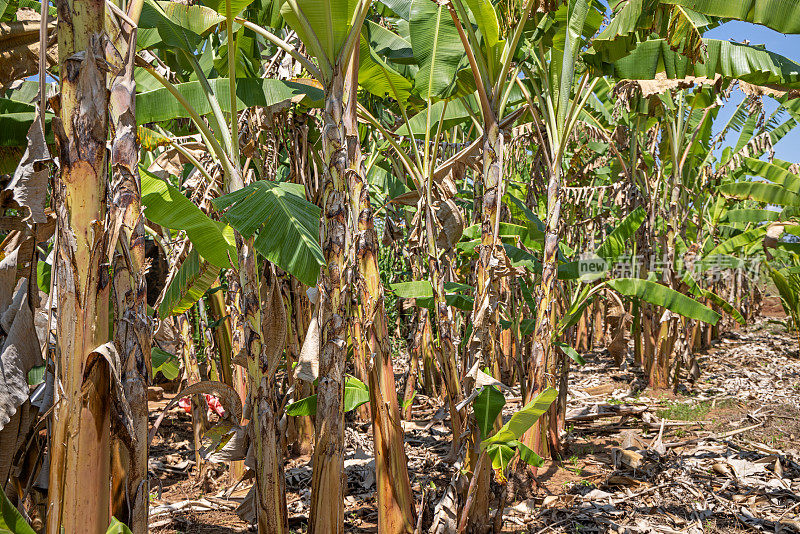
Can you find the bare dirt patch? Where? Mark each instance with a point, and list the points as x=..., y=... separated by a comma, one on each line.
x=719, y=456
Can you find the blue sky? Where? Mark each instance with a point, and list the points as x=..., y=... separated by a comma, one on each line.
x=787, y=148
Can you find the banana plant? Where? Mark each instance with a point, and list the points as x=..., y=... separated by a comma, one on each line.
x=555, y=104
x=331, y=32
x=212, y=105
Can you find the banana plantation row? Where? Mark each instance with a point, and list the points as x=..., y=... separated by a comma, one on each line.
x=267, y=199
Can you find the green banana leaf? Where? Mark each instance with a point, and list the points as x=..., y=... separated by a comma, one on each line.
x=174, y=25
x=455, y=114
x=522, y=420
x=738, y=241
x=287, y=225
x=665, y=297
x=487, y=406
x=221, y=6
x=761, y=192
x=118, y=527
x=724, y=305
x=11, y=521
x=322, y=25
x=772, y=172
x=780, y=15
x=160, y=105
x=195, y=276
x=437, y=48
x=614, y=245
x=752, y=64
x=375, y=74
x=745, y=215
x=165, y=363
x=166, y=206
x=356, y=393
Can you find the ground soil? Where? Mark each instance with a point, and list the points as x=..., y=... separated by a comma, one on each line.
x=720, y=455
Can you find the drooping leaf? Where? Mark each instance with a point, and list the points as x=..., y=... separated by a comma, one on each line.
x=176, y=27
x=730, y=60
x=750, y=215
x=780, y=15
x=11, y=521
x=530, y=457
x=375, y=74
x=166, y=206
x=571, y=352
x=738, y=241
x=304, y=407
x=356, y=393
x=524, y=419
x=619, y=36
x=724, y=305
x=166, y=363
x=286, y=223
x=160, y=105
x=761, y=192
x=663, y=296
x=437, y=48
x=615, y=243
x=413, y=290
x=195, y=276
x=773, y=172
x=685, y=32
x=487, y=406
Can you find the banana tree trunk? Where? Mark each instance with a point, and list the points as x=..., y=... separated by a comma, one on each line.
x=265, y=333
x=301, y=316
x=193, y=376
x=327, y=492
x=222, y=334
x=484, y=345
x=395, y=499
x=542, y=438
x=258, y=342
x=79, y=495
x=233, y=298
x=132, y=332
x=360, y=345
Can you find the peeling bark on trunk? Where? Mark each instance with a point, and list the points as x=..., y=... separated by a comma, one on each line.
x=238, y=373
x=543, y=438
x=395, y=499
x=199, y=409
x=266, y=336
x=80, y=443
x=327, y=495
x=300, y=318
x=132, y=332
x=484, y=345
